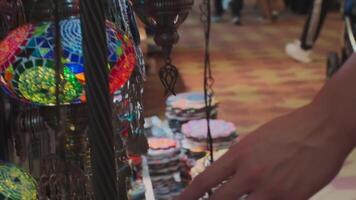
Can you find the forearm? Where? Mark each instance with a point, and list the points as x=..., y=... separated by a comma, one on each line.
x=305, y=148
x=336, y=102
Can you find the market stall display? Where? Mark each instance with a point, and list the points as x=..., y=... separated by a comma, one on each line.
x=61, y=60
x=163, y=160
x=185, y=107
x=195, y=134
x=201, y=164
x=137, y=191
x=27, y=62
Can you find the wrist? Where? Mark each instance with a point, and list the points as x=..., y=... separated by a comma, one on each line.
x=337, y=124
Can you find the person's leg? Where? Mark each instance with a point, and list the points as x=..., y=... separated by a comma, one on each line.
x=301, y=49
x=276, y=6
x=314, y=24
x=236, y=7
x=218, y=8
x=264, y=7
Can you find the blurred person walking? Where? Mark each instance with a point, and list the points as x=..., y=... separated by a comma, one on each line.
x=236, y=8
x=219, y=10
x=270, y=9
x=301, y=49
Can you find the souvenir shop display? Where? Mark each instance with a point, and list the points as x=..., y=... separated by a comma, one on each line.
x=44, y=66
x=27, y=63
x=185, y=107
x=190, y=109
x=201, y=164
x=76, y=81
x=195, y=134
x=186, y=163
x=137, y=191
x=163, y=160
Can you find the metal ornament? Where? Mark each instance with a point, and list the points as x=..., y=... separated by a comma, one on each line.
x=205, y=8
x=165, y=17
x=168, y=75
x=136, y=140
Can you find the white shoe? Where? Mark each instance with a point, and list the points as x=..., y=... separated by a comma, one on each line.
x=236, y=21
x=294, y=51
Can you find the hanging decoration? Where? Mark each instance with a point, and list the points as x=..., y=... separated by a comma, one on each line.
x=164, y=16
x=205, y=8
x=137, y=142
x=27, y=64
x=16, y=184
x=39, y=67
x=128, y=106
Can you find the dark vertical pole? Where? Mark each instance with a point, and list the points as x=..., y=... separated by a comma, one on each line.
x=100, y=132
x=208, y=78
x=4, y=129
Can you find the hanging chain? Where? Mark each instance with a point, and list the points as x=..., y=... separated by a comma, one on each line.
x=205, y=8
x=59, y=178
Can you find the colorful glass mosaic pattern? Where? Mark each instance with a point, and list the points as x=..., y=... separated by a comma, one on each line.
x=27, y=62
x=16, y=184
x=11, y=46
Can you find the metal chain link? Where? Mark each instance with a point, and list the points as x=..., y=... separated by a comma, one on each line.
x=205, y=8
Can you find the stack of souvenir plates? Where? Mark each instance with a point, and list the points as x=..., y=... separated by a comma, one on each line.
x=185, y=107
x=195, y=134
x=163, y=161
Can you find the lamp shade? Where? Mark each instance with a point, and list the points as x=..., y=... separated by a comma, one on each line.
x=164, y=16
x=16, y=184
x=27, y=65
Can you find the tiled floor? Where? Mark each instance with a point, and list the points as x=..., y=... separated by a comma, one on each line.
x=255, y=81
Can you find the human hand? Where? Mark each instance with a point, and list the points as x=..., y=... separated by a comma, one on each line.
x=292, y=157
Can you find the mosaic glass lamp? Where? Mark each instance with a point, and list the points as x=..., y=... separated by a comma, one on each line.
x=27, y=66
x=16, y=184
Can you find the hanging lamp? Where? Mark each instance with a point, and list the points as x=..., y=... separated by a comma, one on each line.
x=165, y=17
x=16, y=184
x=27, y=58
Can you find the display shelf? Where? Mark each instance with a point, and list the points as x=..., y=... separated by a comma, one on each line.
x=147, y=180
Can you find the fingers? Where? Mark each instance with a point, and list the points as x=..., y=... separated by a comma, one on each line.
x=232, y=190
x=211, y=177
